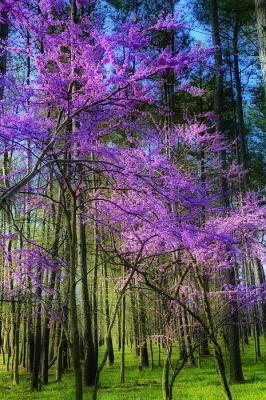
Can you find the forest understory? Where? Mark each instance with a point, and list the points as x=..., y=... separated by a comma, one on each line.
x=199, y=382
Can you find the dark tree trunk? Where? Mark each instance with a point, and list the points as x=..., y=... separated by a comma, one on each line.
x=30, y=339
x=166, y=387
x=46, y=337
x=134, y=311
x=233, y=343
x=260, y=8
x=59, y=359
x=188, y=341
x=16, y=346
x=204, y=347
x=46, y=327
x=144, y=355
x=260, y=280
x=35, y=380
x=123, y=341
x=75, y=348
x=3, y=57
x=107, y=316
x=236, y=374
x=239, y=108
x=95, y=298
x=88, y=346
x=24, y=344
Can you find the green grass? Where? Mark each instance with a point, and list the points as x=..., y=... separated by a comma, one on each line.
x=193, y=383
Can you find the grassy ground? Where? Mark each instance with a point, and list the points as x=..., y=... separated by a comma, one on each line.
x=192, y=384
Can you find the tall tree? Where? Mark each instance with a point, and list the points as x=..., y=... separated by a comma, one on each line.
x=260, y=8
x=232, y=334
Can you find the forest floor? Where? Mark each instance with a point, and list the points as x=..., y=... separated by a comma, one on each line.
x=193, y=383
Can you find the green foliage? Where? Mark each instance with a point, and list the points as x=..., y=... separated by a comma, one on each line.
x=229, y=9
x=145, y=8
x=256, y=121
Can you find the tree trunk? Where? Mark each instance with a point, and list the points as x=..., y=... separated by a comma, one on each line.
x=236, y=374
x=260, y=9
x=134, y=311
x=144, y=356
x=112, y=321
x=95, y=298
x=46, y=327
x=239, y=108
x=35, y=381
x=107, y=316
x=166, y=387
x=75, y=348
x=88, y=346
x=3, y=57
x=16, y=347
x=221, y=368
x=260, y=280
x=123, y=341
x=188, y=341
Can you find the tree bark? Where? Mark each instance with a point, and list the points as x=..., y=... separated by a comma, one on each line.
x=46, y=328
x=75, y=348
x=89, y=356
x=144, y=356
x=239, y=108
x=3, y=57
x=16, y=347
x=35, y=381
x=236, y=374
x=260, y=9
x=166, y=387
x=123, y=340
x=107, y=316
